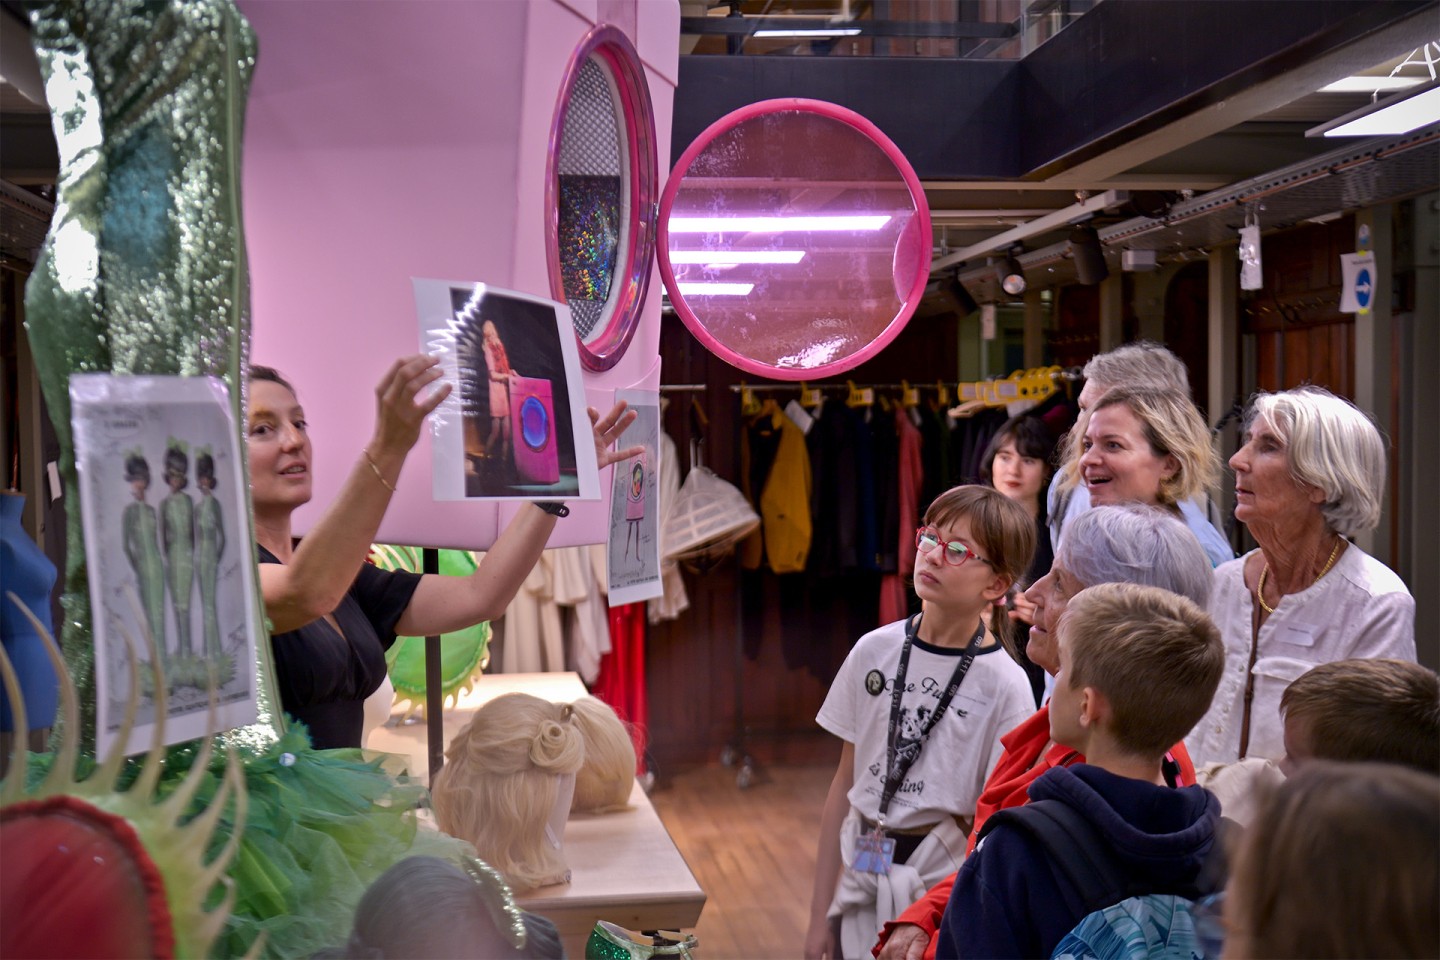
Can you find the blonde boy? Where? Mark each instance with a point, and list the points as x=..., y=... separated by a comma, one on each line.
x=1138, y=668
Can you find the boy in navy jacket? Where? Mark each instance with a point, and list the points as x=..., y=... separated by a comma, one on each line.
x=1138, y=668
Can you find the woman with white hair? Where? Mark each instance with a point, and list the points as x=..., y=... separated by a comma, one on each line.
x=1309, y=474
x=1108, y=544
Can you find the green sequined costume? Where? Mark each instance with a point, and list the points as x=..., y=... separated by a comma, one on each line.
x=144, y=268
x=144, y=273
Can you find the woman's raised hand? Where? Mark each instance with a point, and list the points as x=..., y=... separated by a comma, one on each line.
x=607, y=430
x=398, y=415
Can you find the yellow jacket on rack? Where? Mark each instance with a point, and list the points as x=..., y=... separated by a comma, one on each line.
x=784, y=505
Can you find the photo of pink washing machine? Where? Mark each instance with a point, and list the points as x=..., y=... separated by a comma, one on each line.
x=532, y=418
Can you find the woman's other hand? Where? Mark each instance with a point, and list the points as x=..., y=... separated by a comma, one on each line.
x=907, y=941
x=607, y=430
x=398, y=413
x=1022, y=610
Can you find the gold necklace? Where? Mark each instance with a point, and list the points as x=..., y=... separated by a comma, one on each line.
x=1260, y=587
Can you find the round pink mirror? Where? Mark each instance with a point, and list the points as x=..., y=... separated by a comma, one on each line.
x=794, y=239
x=600, y=189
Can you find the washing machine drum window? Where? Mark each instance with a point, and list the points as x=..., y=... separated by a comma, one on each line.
x=534, y=424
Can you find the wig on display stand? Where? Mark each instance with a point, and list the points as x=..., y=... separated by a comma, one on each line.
x=507, y=785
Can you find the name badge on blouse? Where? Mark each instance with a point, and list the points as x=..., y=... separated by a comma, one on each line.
x=1298, y=635
x=874, y=853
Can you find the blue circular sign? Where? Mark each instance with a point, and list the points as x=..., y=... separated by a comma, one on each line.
x=1363, y=288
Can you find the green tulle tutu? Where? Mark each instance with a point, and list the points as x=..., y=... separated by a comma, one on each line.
x=322, y=825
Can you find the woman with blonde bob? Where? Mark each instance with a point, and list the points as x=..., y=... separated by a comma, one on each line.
x=1141, y=446
x=1306, y=883
x=604, y=782
x=1309, y=474
x=507, y=783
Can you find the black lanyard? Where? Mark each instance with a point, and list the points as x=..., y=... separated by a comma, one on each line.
x=898, y=764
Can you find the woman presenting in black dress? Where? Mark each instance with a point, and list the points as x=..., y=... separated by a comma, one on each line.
x=332, y=615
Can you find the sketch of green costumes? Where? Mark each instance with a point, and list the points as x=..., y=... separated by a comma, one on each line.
x=142, y=548
x=143, y=271
x=178, y=536
x=209, y=548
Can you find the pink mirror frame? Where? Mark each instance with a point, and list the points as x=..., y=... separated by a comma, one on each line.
x=608, y=45
x=911, y=263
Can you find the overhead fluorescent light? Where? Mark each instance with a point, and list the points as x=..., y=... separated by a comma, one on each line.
x=715, y=289
x=1393, y=116
x=774, y=224
x=838, y=32
x=736, y=256
x=1371, y=84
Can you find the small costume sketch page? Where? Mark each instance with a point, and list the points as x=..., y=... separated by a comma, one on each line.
x=514, y=426
x=167, y=546
x=634, y=544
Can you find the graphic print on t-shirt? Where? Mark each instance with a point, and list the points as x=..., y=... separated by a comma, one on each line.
x=962, y=746
x=922, y=694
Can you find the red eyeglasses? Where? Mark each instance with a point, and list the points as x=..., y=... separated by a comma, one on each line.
x=956, y=553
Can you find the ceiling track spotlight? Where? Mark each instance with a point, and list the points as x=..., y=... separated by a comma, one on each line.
x=962, y=296
x=1088, y=254
x=1010, y=273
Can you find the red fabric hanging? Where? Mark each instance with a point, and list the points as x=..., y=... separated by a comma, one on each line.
x=621, y=682
x=894, y=595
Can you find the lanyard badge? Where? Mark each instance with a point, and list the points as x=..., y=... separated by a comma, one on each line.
x=874, y=852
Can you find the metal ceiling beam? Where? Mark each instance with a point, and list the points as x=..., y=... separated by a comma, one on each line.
x=1130, y=149
x=1003, y=241
x=1127, y=181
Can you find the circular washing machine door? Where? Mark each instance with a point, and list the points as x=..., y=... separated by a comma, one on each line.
x=601, y=189
x=534, y=424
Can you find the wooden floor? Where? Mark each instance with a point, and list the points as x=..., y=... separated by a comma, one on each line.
x=752, y=851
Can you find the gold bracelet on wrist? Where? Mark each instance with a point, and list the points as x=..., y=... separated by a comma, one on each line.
x=378, y=475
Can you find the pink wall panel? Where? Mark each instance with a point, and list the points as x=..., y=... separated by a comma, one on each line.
x=387, y=140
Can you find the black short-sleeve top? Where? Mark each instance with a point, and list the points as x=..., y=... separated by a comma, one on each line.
x=324, y=675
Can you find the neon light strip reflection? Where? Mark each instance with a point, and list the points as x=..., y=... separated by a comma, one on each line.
x=736, y=256
x=715, y=289
x=843, y=32
x=774, y=224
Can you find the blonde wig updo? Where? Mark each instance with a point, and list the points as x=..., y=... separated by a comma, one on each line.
x=501, y=780
x=608, y=775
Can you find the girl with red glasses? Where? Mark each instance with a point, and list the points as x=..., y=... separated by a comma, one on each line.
x=920, y=705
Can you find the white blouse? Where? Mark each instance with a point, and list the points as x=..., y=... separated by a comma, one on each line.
x=1359, y=610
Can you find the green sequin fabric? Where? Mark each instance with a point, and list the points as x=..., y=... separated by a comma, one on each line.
x=143, y=271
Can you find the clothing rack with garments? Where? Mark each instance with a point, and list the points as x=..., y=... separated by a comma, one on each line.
x=824, y=420
x=789, y=632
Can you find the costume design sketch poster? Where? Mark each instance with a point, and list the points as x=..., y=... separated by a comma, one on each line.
x=167, y=543
x=514, y=426
x=634, y=547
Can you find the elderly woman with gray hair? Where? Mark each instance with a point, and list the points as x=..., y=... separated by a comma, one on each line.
x=1309, y=474
x=1129, y=543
